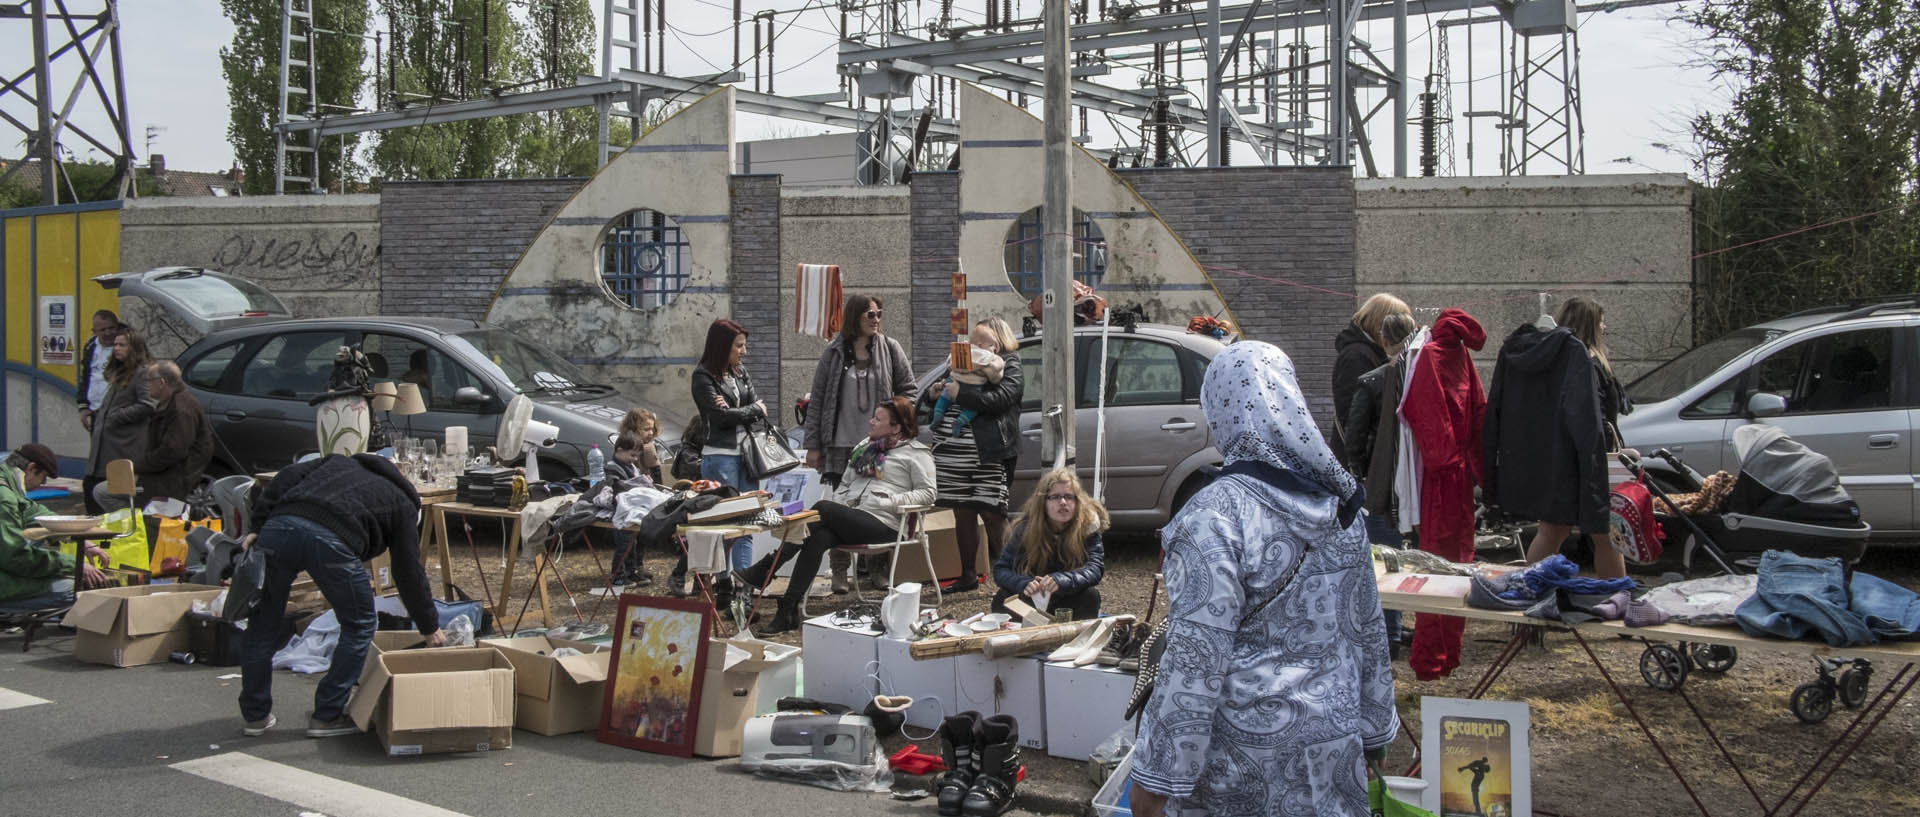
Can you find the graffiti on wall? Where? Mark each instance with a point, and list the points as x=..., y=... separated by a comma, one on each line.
x=315, y=261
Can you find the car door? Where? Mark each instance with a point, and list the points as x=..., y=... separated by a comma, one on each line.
x=1153, y=419
x=1030, y=466
x=268, y=420
x=1847, y=398
x=404, y=358
x=210, y=376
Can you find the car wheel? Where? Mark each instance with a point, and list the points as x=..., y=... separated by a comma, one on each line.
x=1187, y=490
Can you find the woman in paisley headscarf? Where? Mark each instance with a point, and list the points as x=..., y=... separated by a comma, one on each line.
x=1275, y=681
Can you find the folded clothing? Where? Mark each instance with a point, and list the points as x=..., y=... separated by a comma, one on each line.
x=1797, y=597
x=1703, y=602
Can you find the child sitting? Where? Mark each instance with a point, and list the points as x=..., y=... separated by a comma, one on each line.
x=627, y=452
x=642, y=422
x=987, y=368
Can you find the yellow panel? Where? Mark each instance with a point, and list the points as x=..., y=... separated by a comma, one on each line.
x=54, y=249
x=99, y=255
x=19, y=310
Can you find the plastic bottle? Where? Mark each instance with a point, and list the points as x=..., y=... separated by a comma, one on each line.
x=596, y=466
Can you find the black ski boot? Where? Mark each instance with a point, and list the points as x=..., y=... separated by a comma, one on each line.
x=786, y=619
x=958, y=744
x=998, y=755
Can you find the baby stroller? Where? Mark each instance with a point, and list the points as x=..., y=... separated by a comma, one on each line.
x=1786, y=497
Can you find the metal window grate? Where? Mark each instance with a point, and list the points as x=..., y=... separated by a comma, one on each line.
x=1024, y=252
x=644, y=259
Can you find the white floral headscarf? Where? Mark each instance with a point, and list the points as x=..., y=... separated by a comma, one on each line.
x=1256, y=412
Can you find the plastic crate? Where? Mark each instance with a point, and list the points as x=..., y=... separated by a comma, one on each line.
x=213, y=640
x=1111, y=800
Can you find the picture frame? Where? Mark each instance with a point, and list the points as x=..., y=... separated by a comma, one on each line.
x=655, y=677
x=1479, y=759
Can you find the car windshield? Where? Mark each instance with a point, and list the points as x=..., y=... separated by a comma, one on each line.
x=530, y=368
x=1682, y=372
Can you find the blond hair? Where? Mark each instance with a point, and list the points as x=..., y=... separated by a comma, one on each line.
x=1002, y=333
x=1042, y=544
x=1373, y=313
x=1581, y=316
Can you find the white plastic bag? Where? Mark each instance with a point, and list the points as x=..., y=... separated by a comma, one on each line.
x=460, y=631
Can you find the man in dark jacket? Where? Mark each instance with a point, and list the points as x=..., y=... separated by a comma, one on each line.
x=327, y=517
x=179, y=441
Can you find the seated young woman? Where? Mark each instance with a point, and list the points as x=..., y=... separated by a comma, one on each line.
x=1055, y=552
x=887, y=471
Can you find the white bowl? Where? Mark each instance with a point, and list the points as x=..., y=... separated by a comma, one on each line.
x=998, y=620
x=983, y=626
x=68, y=524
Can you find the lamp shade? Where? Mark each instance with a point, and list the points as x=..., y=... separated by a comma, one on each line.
x=408, y=400
x=383, y=396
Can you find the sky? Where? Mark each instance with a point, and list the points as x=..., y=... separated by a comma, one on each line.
x=1638, y=89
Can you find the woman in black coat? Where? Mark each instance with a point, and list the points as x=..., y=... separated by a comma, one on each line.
x=974, y=459
x=1359, y=349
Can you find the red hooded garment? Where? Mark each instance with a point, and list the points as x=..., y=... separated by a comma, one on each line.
x=1444, y=408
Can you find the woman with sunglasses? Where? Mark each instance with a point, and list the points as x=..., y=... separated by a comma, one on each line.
x=887, y=471
x=860, y=369
x=1055, y=552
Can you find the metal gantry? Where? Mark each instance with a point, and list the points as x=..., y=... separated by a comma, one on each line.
x=60, y=37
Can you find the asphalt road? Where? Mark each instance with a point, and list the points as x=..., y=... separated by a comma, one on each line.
x=164, y=740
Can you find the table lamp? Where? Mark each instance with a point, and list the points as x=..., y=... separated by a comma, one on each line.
x=383, y=396
x=407, y=403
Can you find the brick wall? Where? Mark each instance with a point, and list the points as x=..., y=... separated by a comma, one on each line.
x=445, y=246
x=754, y=278
x=935, y=250
x=1282, y=222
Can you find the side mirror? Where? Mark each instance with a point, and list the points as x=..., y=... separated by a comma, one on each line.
x=471, y=396
x=1765, y=404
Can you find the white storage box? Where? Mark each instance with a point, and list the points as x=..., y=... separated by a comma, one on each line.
x=923, y=680
x=1004, y=686
x=1113, y=798
x=838, y=662
x=1083, y=706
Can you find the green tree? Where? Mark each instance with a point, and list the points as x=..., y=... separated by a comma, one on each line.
x=1822, y=133
x=557, y=48
x=251, y=64
x=448, y=51
x=79, y=181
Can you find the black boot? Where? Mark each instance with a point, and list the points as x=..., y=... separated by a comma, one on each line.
x=677, y=586
x=887, y=712
x=786, y=619
x=998, y=753
x=957, y=744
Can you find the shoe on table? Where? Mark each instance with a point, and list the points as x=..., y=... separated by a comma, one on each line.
x=1116, y=648
x=255, y=729
x=342, y=725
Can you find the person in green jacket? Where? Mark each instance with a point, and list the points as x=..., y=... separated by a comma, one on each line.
x=33, y=577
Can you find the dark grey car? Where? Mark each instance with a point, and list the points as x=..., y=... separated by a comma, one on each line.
x=256, y=369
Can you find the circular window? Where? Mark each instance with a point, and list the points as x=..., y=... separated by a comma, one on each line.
x=1025, y=249
x=644, y=259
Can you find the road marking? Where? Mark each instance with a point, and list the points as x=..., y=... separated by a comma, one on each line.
x=10, y=699
x=336, y=798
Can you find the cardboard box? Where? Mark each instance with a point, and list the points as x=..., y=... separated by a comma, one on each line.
x=731, y=690
x=946, y=552
x=1085, y=705
x=555, y=696
x=836, y=662
x=932, y=678
x=130, y=626
x=395, y=641
x=1003, y=686
x=423, y=702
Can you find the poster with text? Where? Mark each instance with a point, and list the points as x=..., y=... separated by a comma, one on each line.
x=1480, y=764
x=56, y=330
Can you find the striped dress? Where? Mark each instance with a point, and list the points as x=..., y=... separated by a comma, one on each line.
x=964, y=481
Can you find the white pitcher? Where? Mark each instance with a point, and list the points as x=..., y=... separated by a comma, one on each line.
x=899, y=609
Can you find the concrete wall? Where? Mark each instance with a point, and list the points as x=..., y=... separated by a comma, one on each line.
x=1490, y=245
x=447, y=245
x=555, y=294
x=866, y=231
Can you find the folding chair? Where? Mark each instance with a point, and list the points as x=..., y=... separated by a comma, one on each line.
x=31, y=621
x=120, y=481
x=910, y=532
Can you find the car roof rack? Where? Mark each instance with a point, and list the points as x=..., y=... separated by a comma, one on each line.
x=1859, y=307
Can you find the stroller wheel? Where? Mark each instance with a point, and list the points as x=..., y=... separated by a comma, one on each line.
x=1853, y=687
x=1812, y=702
x=1663, y=667
x=1714, y=658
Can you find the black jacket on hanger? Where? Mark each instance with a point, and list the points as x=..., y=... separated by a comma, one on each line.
x=1545, y=440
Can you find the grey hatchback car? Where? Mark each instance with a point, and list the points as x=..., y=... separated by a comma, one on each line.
x=1157, y=439
x=256, y=368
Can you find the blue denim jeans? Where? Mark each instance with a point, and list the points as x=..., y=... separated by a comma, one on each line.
x=730, y=470
x=295, y=545
x=59, y=594
x=1382, y=531
x=1798, y=597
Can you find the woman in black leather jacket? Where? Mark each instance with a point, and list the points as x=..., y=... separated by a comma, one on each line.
x=974, y=461
x=723, y=394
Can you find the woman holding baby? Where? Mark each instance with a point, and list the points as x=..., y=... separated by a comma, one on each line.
x=860, y=369
x=976, y=435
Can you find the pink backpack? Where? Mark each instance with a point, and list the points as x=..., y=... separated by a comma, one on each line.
x=1636, y=534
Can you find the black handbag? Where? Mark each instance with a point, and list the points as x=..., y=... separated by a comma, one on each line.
x=765, y=452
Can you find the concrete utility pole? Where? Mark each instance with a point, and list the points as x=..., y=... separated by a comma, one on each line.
x=1215, y=139
x=1056, y=244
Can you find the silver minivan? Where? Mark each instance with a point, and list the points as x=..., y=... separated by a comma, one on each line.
x=1841, y=380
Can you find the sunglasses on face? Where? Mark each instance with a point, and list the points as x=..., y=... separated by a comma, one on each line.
x=874, y=314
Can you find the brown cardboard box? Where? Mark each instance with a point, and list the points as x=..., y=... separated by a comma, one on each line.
x=555, y=696
x=424, y=702
x=946, y=552
x=729, y=691
x=130, y=626
x=395, y=641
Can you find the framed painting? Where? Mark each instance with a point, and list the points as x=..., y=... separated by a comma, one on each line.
x=653, y=684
